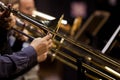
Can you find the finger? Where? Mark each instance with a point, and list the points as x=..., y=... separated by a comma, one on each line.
x=49, y=41
x=39, y=38
x=42, y=57
x=50, y=45
x=47, y=37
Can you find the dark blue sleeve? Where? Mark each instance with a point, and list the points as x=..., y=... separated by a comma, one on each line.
x=13, y=65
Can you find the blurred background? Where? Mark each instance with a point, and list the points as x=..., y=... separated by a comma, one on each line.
x=94, y=22
x=84, y=9
x=89, y=22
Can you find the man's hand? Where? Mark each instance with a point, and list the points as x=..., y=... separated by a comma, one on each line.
x=6, y=22
x=42, y=57
x=42, y=45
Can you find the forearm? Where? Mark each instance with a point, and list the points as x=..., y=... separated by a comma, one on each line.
x=12, y=65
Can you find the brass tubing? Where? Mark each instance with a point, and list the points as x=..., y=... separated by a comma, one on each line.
x=70, y=49
x=104, y=68
x=93, y=52
x=84, y=65
x=86, y=49
x=65, y=62
x=66, y=55
x=30, y=37
x=80, y=45
x=44, y=27
x=74, y=60
x=86, y=57
x=97, y=72
x=92, y=77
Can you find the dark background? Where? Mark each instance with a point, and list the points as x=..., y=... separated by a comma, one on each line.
x=58, y=7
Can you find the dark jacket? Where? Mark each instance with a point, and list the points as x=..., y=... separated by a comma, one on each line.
x=14, y=64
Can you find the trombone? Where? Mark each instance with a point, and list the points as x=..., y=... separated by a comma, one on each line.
x=93, y=61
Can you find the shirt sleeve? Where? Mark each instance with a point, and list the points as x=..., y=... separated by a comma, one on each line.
x=15, y=64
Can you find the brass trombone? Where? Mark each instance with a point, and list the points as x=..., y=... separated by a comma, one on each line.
x=93, y=61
